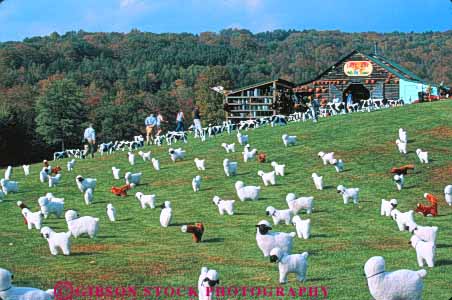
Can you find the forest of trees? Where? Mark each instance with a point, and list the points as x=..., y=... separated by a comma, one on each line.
x=114, y=80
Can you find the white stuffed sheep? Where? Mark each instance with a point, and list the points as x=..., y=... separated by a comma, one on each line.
x=70, y=165
x=11, y=292
x=61, y=240
x=166, y=214
x=229, y=167
x=49, y=207
x=200, y=164
x=247, y=192
x=81, y=225
x=115, y=172
x=228, y=147
x=146, y=200
x=134, y=178
x=327, y=158
x=348, y=193
x=279, y=169
x=242, y=139
x=425, y=251
x=207, y=281
x=422, y=155
x=111, y=212
x=224, y=205
x=396, y=285
x=85, y=183
x=289, y=139
x=131, y=158
x=278, y=216
x=9, y=186
x=155, y=164
x=266, y=240
x=196, y=183
x=26, y=169
x=402, y=219
x=33, y=218
x=303, y=227
x=89, y=195
x=248, y=154
x=318, y=181
x=176, y=154
x=296, y=204
x=387, y=207
x=295, y=263
x=267, y=178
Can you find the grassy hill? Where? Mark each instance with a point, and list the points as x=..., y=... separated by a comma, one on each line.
x=137, y=251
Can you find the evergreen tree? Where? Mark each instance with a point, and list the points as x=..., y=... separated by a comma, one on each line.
x=60, y=113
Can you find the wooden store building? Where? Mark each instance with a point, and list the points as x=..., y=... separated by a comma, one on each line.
x=366, y=76
x=363, y=75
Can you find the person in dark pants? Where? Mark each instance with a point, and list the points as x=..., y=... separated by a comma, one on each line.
x=197, y=121
x=180, y=120
x=315, y=105
x=90, y=136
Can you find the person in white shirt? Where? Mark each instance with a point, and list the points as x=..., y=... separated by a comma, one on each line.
x=158, y=123
x=180, y=120
x=90, y=137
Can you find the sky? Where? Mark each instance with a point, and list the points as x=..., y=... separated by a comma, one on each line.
x=20, y=19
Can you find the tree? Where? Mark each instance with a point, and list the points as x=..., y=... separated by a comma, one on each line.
x=209, y=101
x=60, y=113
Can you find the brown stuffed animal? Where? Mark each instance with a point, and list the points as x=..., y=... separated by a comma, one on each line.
x=261, y=157
x=196, y=230
x=121, y=191
x=431, y=210
x=402, y=170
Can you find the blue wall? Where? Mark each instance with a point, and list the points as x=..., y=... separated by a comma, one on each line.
x=409, y=90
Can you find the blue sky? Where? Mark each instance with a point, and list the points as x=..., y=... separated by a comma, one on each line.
x=25, y=18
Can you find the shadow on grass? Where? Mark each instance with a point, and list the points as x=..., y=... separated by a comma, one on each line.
x=105, y=236
x=125, y=220
x=322, y=235
x=444, y=246
x=180, y=224
x=328, y=187
x=214, y=240
x=321, y=279
x=410, y=187
x=244, y=214
x=444, y=262
x=241, y=174
x=83, y=253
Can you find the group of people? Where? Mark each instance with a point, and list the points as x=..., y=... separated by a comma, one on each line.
x=153, y=124
x=153, y=121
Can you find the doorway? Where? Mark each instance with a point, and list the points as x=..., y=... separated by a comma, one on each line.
x=359, y=92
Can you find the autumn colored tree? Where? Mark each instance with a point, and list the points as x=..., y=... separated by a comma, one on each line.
x=209, y=101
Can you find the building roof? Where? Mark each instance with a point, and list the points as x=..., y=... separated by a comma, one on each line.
x=278, y=80
x=383, y=62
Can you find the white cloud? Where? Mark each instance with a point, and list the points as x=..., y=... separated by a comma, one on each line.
x=126, y=3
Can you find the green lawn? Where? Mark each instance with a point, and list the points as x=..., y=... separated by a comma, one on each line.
x=137, y=251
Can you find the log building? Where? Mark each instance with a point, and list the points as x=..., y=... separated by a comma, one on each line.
x=365, y=76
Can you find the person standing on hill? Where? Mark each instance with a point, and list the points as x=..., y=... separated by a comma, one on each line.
x=158, y=122
x=349, y=102
x=197, y=120
x=180, y=120
x=150, y=122
x=90, y=136
x=315, y=106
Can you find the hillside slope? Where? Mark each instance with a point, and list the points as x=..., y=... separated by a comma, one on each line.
x=137, y=251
